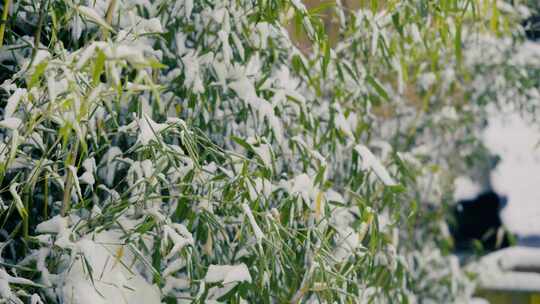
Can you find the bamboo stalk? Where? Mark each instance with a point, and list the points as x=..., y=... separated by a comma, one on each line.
x=108, y=18
x=46, y=197
x=26, y=219
x=66, y=203
x=110, y=11
x=37, y=35
x=4, y=20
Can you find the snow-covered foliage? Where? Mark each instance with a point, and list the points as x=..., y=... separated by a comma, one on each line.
x=187, y=151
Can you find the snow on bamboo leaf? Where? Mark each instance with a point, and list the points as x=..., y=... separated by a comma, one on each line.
x=13, y=102
x=87, y=177
x=73, y=171
x=93, y=16
x=265, y=153
x=244, y=89
x=370, y=162
x=179, y=236
x=17, y=200
x=5, y=291
x=227, y=274
x=12, y=123
x=303, y=185
x=149, y=130
x=259, y=235
x=57, y=224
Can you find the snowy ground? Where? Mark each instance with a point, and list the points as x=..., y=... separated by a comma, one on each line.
x=518, y=173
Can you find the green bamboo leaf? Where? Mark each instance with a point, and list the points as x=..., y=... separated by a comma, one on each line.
x=99, y=65
x=457, y=43
x=378, y=87
x=242, y=143
x=38, y=72
x=326, y=57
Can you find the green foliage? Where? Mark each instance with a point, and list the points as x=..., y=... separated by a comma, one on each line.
x=191, y=149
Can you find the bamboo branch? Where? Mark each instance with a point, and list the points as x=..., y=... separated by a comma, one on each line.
x=109, y=17
x=66, y=202
x=37, y=35
x=4, y=21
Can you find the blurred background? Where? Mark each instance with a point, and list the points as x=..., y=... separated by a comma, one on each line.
x=514, y=171
x=496, y=216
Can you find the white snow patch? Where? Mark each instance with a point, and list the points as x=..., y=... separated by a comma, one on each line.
x=149, y=130
x=369, y=161
x=259, y=235
x=113, y=282
x=93, y=16
x=57, y=224
x=11, y=123
x=13, y=102
x=227, y=274
x=180, y=237
x=303, y=185
x=265, y=153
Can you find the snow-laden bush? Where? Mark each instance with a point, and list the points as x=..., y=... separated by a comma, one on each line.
x=187, y=151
